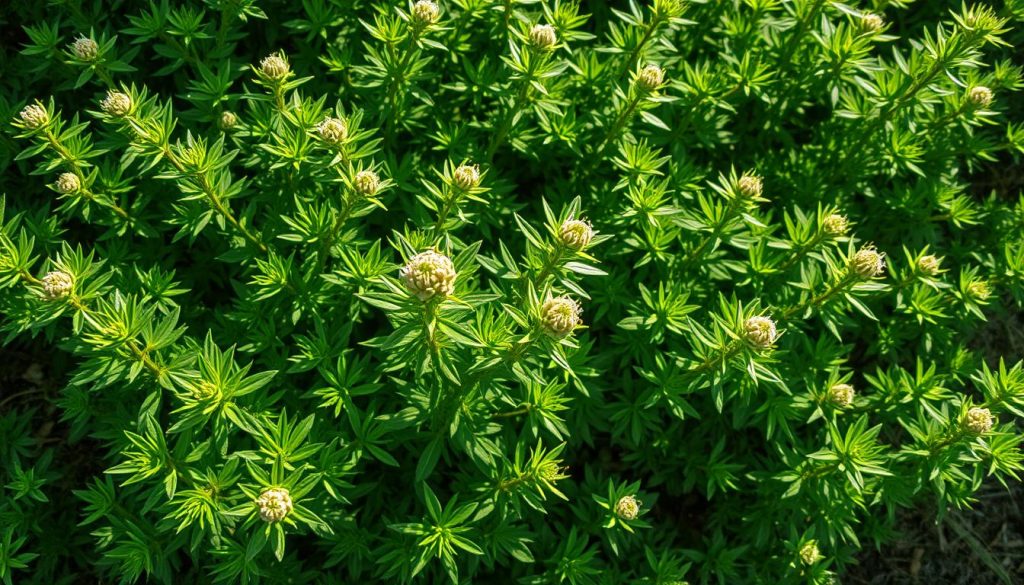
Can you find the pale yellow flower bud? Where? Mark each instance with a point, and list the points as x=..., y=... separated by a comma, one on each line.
x=275, y=66
x=425, y=12
x=429, y=274
x=841, y=395
x=809, y=553
x=57, y=285
x=85, y=49
x=979, y=97
x=979, y=290
x=650, y=78
x=466, y=177
x=871, y=23
x=543, y=37
x=929, y=265
x=332, y=130
x=868, y=263
x=274, y=504
x=116, y=104
x=366, y=183
x=34, y=116
x=575, y=234
x=559, y=316
x=760, y=331
x=68, y=183
x=750, y=186
x=627, y=508
x=978, y=421
x=835, y=225
x=227, y=120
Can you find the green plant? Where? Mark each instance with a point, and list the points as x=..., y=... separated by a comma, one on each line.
x=494, y=291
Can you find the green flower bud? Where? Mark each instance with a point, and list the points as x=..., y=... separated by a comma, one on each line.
x=227, y=120
x=809, y=553
x=543, y=37
x=871, y=23
x=34, y=116
x=275, y=66
x=979, y=97
x=332, y=130
x=425, y=13
x=841, y=395
x=466, y=177
x=929, y=265
x=649, y=79
x=750, y=186
x=978, y=421
x=366, y=183
x=835, y=225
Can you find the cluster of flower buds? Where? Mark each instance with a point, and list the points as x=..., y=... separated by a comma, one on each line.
x=57, y=285
x=841, y=395
x=627, y=508
x=809, y=553
x=979, y=97
x=649, y=79
x=979, y=291
x=750, y=186
x=978, y=421
x=68, y=183
x=868, y=263
x=429, y=274
x=85, y=49
x=667, y=8
x=116, y=104
x=366, y=183
x=227, y=120
x=871, y=23
x=466, y=177
x=560, y=316
x=275, y=504
x=929, y=265
x=543, y=37
x=275, y=67
x=835, y=225
x=760, y=331
x=575, y=234
x=425, y=13
x=332, y=130
x=34, y=116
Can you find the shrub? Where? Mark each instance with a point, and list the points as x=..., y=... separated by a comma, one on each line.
x=495, y=291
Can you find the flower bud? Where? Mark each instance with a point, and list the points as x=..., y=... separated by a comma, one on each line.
x=466, y=177
x=85, y=49
x=429, y=274
x=227, y=120
x=760, y=331
x=543, y=37
x=34, y=116
x=204, y=390
x=978, y=421
x=425, y=12
x=979, y=290
x=649, y=79
x=57, y=285
x=68, y=183
x=871, y=23
x=274, y=504
x=275, y=66
x=835, y=225
x=366, y=183
x=332, y=130
x=868, y=263
x=559, y=316
x=928, y=265
x=809, y=553
x=575, y=234
x=116, y=104
x=750, y=186
x=627, y=508
x=979, y=97
x=841, y=395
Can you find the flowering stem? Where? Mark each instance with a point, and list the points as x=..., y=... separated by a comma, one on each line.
x=839, y=286
x=723, y=356
x=801, y=252
x=72, y=163
x=525, y=87
x=332, y=237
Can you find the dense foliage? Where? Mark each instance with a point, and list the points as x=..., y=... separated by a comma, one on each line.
x=503, y=291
